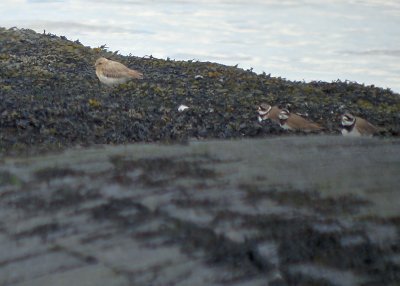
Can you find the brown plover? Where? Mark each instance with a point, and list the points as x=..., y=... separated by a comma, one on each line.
x=292, y=121
x=266, y=111
x=357, y=126
x=112, y=73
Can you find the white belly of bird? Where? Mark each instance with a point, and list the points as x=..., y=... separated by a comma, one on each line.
x=285, y=126
x=352, y=133
x=110, y=81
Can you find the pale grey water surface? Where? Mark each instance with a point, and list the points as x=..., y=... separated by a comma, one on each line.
x=356, y=40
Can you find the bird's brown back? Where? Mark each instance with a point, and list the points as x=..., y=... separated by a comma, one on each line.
x=273, y=114
x=114, y=69
x=365, y=127
x=297, y=122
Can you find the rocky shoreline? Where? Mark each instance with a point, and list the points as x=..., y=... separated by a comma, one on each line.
x=266, y=207
x=51, y=98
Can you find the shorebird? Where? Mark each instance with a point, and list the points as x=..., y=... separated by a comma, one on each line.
x=112, y=73
x=357, y=126
x=266, y=111
x=292, y=121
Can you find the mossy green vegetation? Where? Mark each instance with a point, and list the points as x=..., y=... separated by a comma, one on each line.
x=50, y=96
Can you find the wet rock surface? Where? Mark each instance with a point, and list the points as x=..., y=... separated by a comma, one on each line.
x=314, y=210
x=51, y=98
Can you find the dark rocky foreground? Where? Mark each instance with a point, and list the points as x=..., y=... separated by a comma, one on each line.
x=315, y=210
x=51, y=99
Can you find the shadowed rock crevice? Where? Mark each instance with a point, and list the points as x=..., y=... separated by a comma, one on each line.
x=48, y=174
x=243, y=258
x=126, y=212
x=328, y=244
x=60, y=198
x=306, y=199
x=159, y=172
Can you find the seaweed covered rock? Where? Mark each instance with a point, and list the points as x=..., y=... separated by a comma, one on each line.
x=51, y=98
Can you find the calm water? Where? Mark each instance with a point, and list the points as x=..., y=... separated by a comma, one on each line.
x=356, y=40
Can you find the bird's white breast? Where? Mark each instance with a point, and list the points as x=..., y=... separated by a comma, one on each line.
x=110, y=81
x=352, y=133
x=285, y=126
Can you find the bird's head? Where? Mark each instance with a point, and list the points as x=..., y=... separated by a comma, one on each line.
x=100, y=61
x=348, y=119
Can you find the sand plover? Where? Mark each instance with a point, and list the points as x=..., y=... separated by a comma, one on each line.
x=292, y=121
x=113, y=73
x=357, y=126
x=266, y=111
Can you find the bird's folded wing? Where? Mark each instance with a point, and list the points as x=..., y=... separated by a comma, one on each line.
x=118, y=70
x=365, y=126
x=114, y=71
x=135, y=74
